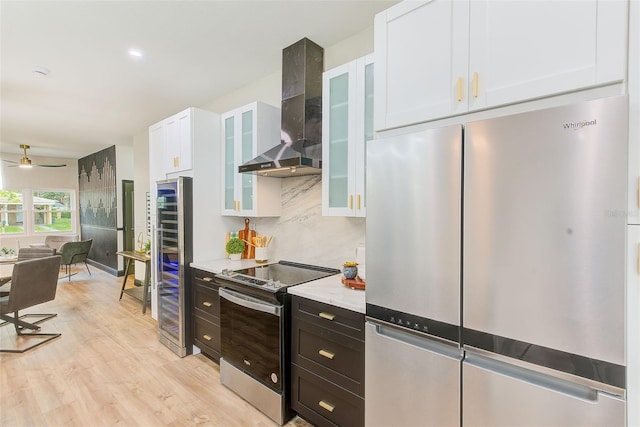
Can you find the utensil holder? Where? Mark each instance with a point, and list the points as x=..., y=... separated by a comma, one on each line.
x=262, y=255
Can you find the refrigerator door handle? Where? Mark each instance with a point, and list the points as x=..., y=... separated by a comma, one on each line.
x=421, y=341
x=580, y=388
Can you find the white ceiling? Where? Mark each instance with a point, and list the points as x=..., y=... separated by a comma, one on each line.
x=96, y=95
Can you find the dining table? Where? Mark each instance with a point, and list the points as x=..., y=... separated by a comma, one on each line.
x=6, y=269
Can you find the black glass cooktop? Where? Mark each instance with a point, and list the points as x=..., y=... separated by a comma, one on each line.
x=275, y=277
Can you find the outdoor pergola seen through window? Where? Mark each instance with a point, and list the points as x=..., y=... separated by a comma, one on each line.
x=49, y=211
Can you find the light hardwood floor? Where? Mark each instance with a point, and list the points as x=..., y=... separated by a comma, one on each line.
x=108, y=368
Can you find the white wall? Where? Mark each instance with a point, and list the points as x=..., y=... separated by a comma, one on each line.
x=140, y=188
x=38, y=178
x=124, y=172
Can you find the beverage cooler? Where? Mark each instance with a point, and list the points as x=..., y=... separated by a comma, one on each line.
x=173, y=255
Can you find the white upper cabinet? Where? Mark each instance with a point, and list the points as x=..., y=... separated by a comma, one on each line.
x=156, y=153
x=178, y=142
x=172, y=140
x=528, y=49
x=441, y=58
x=247, y=132
x=421, y=48
x=347, y=123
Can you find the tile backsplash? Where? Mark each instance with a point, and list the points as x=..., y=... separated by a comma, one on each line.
x=302, y=234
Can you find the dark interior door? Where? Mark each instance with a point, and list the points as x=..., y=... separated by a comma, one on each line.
x=128, y=215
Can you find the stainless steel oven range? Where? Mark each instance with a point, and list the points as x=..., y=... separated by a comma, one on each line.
x=254, y=329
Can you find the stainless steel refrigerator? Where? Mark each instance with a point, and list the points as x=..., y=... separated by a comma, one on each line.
x=174, y=254
x=544, y=267
x=412, y=336
x=539, y=251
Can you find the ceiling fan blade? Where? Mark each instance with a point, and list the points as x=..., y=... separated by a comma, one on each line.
x=25, y=161
x=17, y=164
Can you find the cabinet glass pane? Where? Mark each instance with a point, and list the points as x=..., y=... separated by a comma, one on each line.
x=247, y=154
x=229, y=172
x=338, y=140
x=247, y=136
x=368, y=102
x=368, y=118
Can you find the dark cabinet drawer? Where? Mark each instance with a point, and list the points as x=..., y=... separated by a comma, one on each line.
x=338, y=319
x=324, y=403
x=202, y=277
x=205, y=301
x=206, y=335
x=205, y=313
x=332, y=355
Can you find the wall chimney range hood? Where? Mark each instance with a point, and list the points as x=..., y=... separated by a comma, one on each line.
x=300, y=148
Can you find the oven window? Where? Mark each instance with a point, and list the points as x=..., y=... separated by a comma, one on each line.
x=251, y=342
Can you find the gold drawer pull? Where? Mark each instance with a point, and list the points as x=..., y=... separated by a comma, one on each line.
x=208, y=279
x=207, y=337
x=327, y=316
x=327, y=354
x=207, y=304
x=324, y=405
x=459, y=89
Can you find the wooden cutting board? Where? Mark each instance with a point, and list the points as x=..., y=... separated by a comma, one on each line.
x=247, y=235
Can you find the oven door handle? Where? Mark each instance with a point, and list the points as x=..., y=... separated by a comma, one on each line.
x=249, y=302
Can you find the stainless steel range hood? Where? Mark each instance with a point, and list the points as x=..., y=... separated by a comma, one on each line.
x=300, y=148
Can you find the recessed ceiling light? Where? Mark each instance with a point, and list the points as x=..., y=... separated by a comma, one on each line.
x=41, y=71
x=135, y=53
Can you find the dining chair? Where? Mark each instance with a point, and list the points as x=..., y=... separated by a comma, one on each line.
x=73, y=253
x=33, y=282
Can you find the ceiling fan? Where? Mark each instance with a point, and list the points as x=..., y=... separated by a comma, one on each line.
x=25, y=162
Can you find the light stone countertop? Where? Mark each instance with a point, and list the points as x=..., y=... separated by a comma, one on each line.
x=329, y=290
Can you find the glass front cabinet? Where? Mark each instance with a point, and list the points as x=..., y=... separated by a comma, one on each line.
x=247, y=132
x=347, y=114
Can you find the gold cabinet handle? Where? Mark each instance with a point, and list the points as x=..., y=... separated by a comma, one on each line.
x=207, y=304
x=176, y=162
x=350, y=201
x=327, y=316
x=207, y=279
x=207, y=337
x=327, y=354
x=475, y=85
x=358, y=202
x=327, y=406
x=459, y=89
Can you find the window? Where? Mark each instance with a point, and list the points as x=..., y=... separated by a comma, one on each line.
x=37, y=211
x=11, y=212
x=52, y=211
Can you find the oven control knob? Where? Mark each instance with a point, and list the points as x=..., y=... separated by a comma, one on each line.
x=274, y=378
x=273, y=284
x=227, y=272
